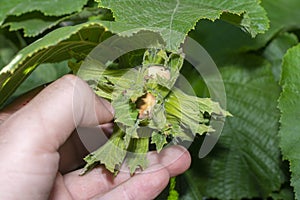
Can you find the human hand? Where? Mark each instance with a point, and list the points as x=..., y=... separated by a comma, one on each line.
x=31, y=138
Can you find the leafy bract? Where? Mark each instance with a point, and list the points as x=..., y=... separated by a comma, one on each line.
x=246, y=161
x=175, y=18
x=56, y=46
x=148, y=105
x=159, y=140
x=112, y=153
x=289, y=104
x=138, y=157
x=49, y=8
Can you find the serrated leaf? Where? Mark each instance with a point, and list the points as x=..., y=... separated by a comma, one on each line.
x=289, y=104
x=101, y=79
x=32, y=23
x=159, y=140
x=158, y=118
x=53, y=8
x=224, y=41
x=251, y=158
x=175, y=18
x=111, y=154
x=127, y=87
x=35, y=23
x=142, y=108
x=173, y=194
x=246, y=161
x=189, y=110
x=126, y=112
x=177, y=131
x=54, y=47
x=137, y=154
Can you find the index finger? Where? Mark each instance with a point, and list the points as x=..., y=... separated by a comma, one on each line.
x=49, y=119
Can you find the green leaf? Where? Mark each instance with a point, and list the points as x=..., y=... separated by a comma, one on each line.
x=284, y=193
x=7, y=50
x=175, y=18
x=158, y=118
x=251, y=156
x=289, y=104
x=246, y=162
x=111, y=154
x=282, y=18
x=225, y=41
x=275, y=51
x=177, y=131
x=143, y=109
x=32, y=23
x=54, y=47
x=159, y=140
x=49, y=8
x=137, y=154
x=126, y=112
x=188, y=188
x=190, y=110
x=45, y=73
x=173, y=194
x=35, y=23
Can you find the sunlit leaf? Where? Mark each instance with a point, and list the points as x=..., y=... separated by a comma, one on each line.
x=175, y=18
x=54, y=47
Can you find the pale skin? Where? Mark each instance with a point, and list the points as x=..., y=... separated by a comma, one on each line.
x=37, y=149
